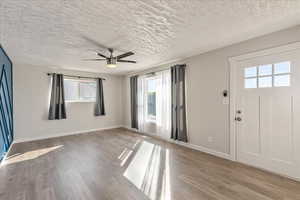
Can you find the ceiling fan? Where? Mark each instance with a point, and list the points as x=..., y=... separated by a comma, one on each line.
x=111, y=61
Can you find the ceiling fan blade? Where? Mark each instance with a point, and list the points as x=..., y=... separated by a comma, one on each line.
x=127, y=61
x=125, y=55
x=97, y=59
x=100, y=54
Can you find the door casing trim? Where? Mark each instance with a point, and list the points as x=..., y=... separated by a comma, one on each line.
x=233, y=63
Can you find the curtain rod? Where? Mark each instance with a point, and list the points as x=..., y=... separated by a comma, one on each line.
x=149, y=72
x=74, y=76
x=153, y=70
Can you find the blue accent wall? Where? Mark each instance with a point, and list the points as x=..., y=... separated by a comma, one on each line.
x=6, y=103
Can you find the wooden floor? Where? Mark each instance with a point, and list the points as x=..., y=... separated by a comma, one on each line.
x=119, y=164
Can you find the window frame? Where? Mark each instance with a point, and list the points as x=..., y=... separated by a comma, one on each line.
x=272, y=75
x=79, y=100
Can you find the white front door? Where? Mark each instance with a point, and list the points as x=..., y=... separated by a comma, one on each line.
x=268, y=112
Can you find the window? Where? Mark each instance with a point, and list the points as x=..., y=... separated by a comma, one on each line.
x=151, y=98
x=266, y=76
x=80, y=90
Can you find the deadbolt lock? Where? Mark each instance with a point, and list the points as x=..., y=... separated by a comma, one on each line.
x=238, y=119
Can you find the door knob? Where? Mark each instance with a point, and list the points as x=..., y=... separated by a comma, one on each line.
x=238, y=119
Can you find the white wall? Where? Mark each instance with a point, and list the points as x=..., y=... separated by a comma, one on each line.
x=31, y=100
x=207, y=77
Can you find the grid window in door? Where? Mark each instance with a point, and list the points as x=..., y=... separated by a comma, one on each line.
x=269, y=75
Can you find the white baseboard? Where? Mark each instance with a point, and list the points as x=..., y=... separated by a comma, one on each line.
x=19, y=140
x=204, y=149
x=188, y=145
x=130, y=129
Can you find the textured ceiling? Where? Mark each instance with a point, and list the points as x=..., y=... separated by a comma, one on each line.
x=54, y=33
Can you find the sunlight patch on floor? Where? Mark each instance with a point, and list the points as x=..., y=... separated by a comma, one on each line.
x=166, y=187
x=138, y=166
x=136, y=143
x=124, y=156
x=30, y=155
x=149, y=171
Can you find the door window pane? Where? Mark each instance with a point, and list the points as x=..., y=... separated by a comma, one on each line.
x=265, y=82
x=283, y=67
x=281, y=80
x=250, y=72
x=269, y=75
x=265, y=70
x=250, y=83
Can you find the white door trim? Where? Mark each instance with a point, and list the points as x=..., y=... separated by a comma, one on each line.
x=233, y=62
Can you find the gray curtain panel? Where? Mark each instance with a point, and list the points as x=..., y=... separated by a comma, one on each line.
x=57, y=109
x=99, y=105
x=134, y=101
x=178, y=112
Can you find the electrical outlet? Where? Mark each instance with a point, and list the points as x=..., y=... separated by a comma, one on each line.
x=210, y=139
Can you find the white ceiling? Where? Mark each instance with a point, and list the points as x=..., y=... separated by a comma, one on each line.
x=54, y=33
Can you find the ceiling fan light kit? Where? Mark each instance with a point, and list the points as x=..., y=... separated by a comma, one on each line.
x=111, y=63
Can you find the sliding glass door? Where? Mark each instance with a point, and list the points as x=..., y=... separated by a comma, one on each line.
x=151, y=99
x=6, y=103
x=154, y=103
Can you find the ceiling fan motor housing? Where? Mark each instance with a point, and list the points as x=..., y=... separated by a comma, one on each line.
x=111, y=61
